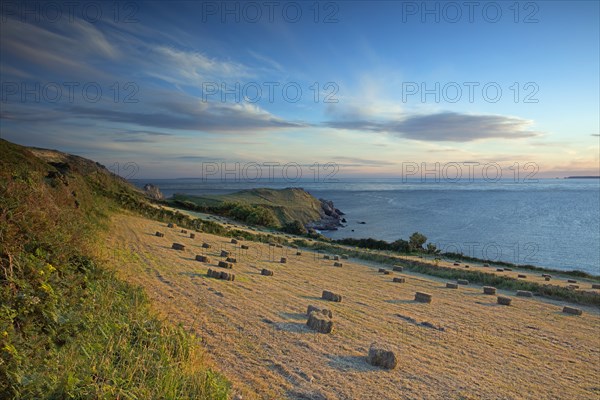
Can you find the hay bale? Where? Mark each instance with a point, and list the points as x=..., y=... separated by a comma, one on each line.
x=336, y=258
x=524, y=293
x=205, y=246
x=283, y=260
x=224, y=253
x=319, y=322
x=213, y=274
x=192, y=236
x=159, y=234
x=294, y=247
x=399, y=280
x=344, y=256
x=298, y=253
x=398, y=268
x=573, y=287
x=571, y=281
x=547, y=278
x=177, y=246
x=499, y=269
x=489, y=290
x=225, y=264
x=245, y=247
x=595, y=285
x=422, y=297
x=325, y=257
x=522, y=276
x=170, y=225
x=387, y=272
x=382, y=356
x=486, y=265
x=233, y=241
x=572, y=310
x=227, y=276
x=231, y=260
x=466, y=266
x=462, y=281
x=266, y=272
x=338, y=264
x=279, y=246
x=507, y=269
x=503, y=300
x=324, y=311
x=382, y=270
x=183, y=231
x=456, y=264
x=451, y=285
x=272, y=244
x=327, y=295
x=202, y=258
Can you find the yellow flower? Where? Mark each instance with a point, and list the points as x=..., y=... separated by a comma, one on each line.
x=46, y=288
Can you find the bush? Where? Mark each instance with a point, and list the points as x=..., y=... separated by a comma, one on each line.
x=294, y=228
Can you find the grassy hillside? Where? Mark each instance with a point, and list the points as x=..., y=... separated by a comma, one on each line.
x=68, y=327
x=276, y=208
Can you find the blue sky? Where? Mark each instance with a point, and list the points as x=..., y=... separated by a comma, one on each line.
x=161, y=67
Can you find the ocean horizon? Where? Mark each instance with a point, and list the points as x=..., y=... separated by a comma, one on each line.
x=551, y=223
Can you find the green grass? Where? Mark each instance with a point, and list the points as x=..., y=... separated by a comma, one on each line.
x=271, y=207
x=68, y=327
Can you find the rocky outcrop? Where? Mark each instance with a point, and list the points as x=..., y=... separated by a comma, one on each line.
x=331, y=217
x=153, y=192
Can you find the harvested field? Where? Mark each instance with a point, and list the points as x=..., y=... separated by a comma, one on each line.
x=254, y=328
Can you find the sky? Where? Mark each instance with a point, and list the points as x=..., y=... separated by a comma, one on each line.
x=191, y=89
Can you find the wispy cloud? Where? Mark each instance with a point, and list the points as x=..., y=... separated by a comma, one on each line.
x=445, y=127
x=192, y=68
x=207, y=117
x=358, y=162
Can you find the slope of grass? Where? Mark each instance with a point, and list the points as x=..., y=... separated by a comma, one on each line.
x=68, y=327
x=279, y=207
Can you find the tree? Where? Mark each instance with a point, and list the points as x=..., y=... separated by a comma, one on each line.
x=432, y=249
x=416, y=241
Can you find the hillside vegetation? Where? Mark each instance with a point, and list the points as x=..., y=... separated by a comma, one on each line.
x=267, y=207
x=68, y=327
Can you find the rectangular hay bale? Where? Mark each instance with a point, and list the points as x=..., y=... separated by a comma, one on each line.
x=422, y=297
x=572, y=310
x=327, y=295
x=505, y=301
x=489, y=290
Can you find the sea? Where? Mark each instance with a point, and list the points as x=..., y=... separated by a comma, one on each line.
x=552, y=223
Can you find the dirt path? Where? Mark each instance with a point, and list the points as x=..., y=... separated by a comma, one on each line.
x=254, y=328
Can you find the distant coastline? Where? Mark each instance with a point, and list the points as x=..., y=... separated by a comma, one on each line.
x=583, y=177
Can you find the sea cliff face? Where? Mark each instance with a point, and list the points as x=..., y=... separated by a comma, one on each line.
x=331, y=217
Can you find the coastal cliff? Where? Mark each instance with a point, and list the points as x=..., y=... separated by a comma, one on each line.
x=275, y=208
